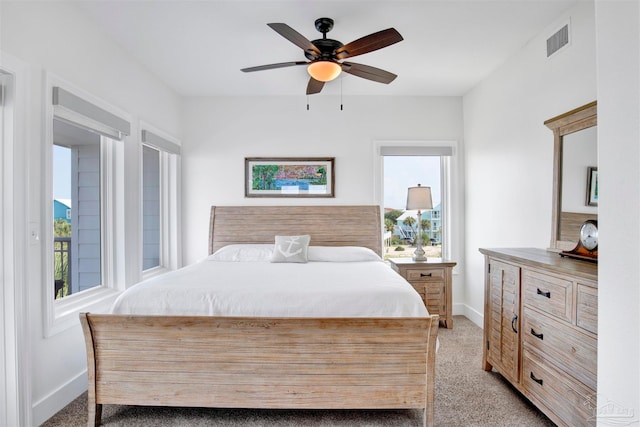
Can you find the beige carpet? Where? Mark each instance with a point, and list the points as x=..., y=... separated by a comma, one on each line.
x=465, y=396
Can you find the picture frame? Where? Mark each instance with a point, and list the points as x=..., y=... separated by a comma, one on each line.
x=592, y=186
x=289, y=177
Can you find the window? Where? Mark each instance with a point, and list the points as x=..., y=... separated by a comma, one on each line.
x=160, y=201
x=401, y=165
x=400, y=173
x=85, y=169
x=77, y=209
x=150, y=207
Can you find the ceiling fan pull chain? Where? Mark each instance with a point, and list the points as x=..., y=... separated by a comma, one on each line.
x=341, y=93
x=307, y=102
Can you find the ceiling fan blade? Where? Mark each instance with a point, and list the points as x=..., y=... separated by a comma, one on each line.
x=368, y=72
x=272, y=66
x=369, y=43
x=294, y=37
x=314, y=86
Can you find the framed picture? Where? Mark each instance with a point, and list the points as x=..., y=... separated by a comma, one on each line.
x=289, y=177
x=592, y=186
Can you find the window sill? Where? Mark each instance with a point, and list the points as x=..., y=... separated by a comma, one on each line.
x=66, y=310
x=155, y=271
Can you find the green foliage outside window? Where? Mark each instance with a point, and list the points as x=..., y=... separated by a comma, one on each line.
x=61, y=228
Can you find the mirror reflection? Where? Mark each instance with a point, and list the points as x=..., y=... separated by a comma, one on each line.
x=579, y=184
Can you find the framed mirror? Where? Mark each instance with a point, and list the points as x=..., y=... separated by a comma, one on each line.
x=575, y=174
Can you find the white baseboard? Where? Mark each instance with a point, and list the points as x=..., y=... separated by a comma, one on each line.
x=468, y=312
x=51, y=404
x=475, y=316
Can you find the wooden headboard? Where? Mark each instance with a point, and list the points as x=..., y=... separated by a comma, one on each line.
x=327, y=225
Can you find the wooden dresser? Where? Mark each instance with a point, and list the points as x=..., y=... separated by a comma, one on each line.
x=432, y=279
x=540, y=329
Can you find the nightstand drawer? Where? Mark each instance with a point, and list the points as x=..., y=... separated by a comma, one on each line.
x=426, y=275
x=570, y=400
x=550, y=294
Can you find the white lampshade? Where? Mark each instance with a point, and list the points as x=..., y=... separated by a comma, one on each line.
x=324, y=71
x=419, y=198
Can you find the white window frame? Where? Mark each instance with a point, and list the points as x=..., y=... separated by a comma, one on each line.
x=452, y=213
x=62, y=314
x=170, y=200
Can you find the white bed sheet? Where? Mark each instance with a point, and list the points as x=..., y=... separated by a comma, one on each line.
x=254, y=289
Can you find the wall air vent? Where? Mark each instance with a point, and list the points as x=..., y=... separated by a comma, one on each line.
x=558, y=40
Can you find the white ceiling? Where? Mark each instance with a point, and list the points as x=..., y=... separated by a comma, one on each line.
x=199, y=47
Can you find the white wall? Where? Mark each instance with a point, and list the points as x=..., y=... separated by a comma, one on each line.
x=221, y=132
x=618, y=45
x=509, y=151
x=53, y=37
x=509, y=202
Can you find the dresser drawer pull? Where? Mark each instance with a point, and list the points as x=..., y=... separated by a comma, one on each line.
x=426, y=275
x=544, y=294
x=539, y=336
x=533, y=377
x=513, y=323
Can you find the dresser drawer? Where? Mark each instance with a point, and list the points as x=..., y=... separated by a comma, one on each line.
x=572, y=351
x=587, y=308
x=570, y=400
x=550, y=294
x=425, y=275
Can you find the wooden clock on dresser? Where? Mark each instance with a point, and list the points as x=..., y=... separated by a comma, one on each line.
x=433, y=280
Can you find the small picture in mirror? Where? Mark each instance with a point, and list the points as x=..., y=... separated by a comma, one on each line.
x=592, y=186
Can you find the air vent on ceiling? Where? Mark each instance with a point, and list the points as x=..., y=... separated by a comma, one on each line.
x=558, y=40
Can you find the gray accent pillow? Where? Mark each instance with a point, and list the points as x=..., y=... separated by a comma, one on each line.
x=291, y=249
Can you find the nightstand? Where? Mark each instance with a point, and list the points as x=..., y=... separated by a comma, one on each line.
x=432, y=279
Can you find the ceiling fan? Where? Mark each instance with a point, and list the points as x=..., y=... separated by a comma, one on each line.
x=325, y=54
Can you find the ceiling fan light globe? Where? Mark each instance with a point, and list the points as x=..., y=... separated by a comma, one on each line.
x=324, y=71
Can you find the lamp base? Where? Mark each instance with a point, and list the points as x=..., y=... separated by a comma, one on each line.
x=419, y=255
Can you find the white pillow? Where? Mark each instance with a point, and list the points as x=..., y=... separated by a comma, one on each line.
x=341, y=254
x=291, y=249
x=243, y=252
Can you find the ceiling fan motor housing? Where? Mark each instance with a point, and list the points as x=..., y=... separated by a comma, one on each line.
x=326, y=46
x=327, y=49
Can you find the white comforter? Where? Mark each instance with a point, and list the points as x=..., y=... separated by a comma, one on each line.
x=253, y=289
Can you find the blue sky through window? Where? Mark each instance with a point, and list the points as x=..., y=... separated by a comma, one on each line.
x=61, y=172
x=402, y=172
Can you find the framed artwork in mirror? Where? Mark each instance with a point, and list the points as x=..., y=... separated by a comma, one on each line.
x=592, y=186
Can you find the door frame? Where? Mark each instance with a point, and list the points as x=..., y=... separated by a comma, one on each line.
x=14, y=361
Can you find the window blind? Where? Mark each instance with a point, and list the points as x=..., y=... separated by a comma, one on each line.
x=73, y=109
x=416, y=151
x=157, y=141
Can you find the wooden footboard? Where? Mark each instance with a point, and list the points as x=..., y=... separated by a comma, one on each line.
x=238, y=362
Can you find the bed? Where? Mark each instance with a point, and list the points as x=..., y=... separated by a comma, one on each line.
x=259, y=359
